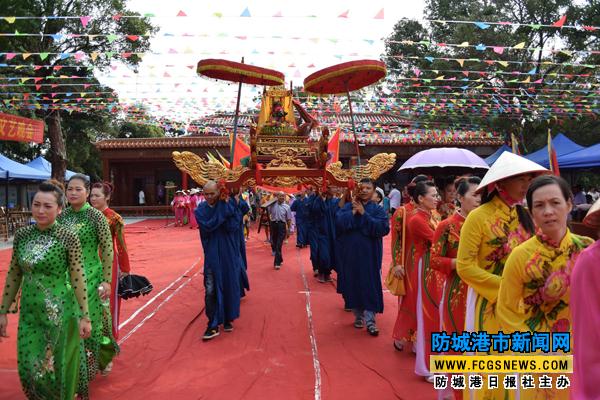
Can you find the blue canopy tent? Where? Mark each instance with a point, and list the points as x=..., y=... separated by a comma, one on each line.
x=492, y=158
x=586, y=158
x=44, y=165
x=562, y=145
x=10, y=170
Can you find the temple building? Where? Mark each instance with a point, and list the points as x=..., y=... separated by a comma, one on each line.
x=142, y=164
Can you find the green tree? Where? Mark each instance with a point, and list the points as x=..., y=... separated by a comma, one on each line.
x=57, y=50
x=437, y=83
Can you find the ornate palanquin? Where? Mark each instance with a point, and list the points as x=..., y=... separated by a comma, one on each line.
x=281, y=153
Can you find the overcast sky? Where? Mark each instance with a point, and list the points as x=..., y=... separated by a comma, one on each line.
x=167, y=81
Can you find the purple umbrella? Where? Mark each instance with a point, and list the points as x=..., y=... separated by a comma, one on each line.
x=445, y=157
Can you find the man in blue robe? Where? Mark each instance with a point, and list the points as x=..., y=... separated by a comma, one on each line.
x=322, y=209
x=311, y=230
x=299, y=207
x=222, y=260
x=361, y=226
x=241, y=208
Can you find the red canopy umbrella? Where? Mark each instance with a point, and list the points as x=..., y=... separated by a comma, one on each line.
x=344, y=78
x=239, y=72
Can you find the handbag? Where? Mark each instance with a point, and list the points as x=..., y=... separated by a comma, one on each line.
x=394, y=284
x=134, y=285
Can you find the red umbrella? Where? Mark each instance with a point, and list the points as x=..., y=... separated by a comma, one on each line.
x=344, y=78
x=239, y=72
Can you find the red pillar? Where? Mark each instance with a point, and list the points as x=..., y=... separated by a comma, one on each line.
x=184, y=180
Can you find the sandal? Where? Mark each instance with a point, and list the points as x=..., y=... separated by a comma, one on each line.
x=372, y=330
x=359, y=323
x=107, y=369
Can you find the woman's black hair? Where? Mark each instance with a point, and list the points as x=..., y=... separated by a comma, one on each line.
x=83, y=178
x=410, y=188
x=524, y=216
x=55, y=187
x=421, y=189
x=545, y=180
x=462, y=185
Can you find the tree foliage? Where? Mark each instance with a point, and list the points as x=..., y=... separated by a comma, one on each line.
x=81, y=125
x=486, y=93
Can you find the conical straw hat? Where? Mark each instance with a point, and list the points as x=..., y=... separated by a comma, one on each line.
x=507, y=166
x=592, y=219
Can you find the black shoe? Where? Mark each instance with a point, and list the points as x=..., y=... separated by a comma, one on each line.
x=328, y=278
x=321, y=278
x=359, y=323
x=315, y=273
x=372, y=330
x=228, y=327
x=210, y=333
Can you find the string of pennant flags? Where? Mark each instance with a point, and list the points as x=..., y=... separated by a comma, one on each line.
x=561, y=23
x=498, y=49
x=80, y=56
x=498, y=90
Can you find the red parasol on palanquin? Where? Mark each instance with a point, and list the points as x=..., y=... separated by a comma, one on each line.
x=344, y=78
x=239, y=72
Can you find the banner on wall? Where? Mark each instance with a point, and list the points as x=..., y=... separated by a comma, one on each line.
x=21, y=129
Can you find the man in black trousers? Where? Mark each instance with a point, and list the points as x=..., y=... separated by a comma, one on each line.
x=281, y=217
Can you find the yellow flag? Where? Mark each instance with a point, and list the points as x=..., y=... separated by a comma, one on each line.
x=460, y=61
x=26, y=55
x=94, y=55
x=464, y=44
x=519, y=46
x=503, y=63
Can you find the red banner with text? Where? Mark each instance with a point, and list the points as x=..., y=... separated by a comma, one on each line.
x=21, y=129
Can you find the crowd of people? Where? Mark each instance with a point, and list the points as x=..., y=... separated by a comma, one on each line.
x=66, y=267
x=503, y=259
x=468, y=254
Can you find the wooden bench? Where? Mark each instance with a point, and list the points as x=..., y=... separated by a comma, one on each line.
x=143, y=211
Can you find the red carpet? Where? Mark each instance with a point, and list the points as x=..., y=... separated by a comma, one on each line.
x=275, y=352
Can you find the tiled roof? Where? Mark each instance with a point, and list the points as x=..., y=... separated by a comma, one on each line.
x=166, y=142
x=244, y=120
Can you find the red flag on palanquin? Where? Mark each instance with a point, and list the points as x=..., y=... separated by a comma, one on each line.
x=552, y=159
x=240, y=150
x=333, y=148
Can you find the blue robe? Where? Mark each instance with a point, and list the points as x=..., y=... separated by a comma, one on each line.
x=311, y=231
x=299, y=207
x=360, y=238
x=219, y=236
x=322, y=213
x=242, y=209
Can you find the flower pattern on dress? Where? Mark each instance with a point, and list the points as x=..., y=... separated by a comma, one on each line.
x=546, y=291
